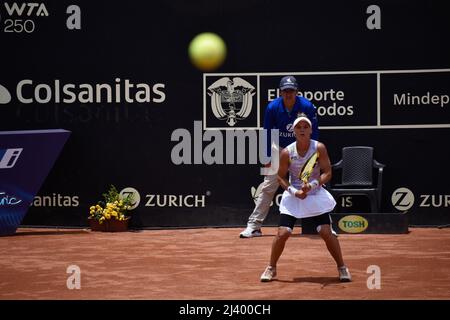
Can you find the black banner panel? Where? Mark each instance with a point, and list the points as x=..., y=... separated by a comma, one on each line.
x=186, y=142
x=418, y=98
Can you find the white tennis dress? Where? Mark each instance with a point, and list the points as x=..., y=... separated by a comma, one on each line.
x=318, y=201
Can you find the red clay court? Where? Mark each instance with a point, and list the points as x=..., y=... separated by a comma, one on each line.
x=213, y=263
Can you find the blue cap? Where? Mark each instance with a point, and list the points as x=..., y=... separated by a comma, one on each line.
x=288, y=82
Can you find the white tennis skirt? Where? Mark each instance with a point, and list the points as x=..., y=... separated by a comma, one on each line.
x=314, y=204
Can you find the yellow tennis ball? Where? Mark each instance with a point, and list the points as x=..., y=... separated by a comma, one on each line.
x=207, y=51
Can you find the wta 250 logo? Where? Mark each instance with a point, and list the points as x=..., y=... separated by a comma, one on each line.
x=229, y=103
x=22, y=17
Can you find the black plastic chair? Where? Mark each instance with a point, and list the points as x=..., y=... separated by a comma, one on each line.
x=357, y=165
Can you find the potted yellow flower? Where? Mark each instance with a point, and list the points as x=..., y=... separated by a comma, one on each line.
x=112, y=213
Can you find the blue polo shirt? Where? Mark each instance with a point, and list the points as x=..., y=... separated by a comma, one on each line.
x=278, y=117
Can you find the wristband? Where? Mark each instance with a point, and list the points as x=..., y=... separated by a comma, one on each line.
x=292, y=190
x=314, y=184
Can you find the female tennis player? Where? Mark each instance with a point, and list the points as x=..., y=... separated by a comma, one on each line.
x=305, y=200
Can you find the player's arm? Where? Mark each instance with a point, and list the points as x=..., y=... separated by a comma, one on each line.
x=324, y=163
x=282, y=174
x=325, y=170
x=283, y=169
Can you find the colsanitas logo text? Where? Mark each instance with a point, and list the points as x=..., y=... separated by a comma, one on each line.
x=28, y=91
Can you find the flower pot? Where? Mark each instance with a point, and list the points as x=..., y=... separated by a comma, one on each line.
x=114, y=225
x=111, y=225
x=96, y=226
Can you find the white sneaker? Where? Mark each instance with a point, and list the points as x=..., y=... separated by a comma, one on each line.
x=269, y=274
x=250, y=233
x=344, y=274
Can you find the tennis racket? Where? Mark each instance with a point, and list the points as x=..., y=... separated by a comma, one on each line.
x=308, y=167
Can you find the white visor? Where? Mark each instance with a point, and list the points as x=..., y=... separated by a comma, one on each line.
x=296, y=121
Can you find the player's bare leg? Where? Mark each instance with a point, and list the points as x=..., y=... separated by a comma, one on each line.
x=332, y=244
x=277, y=249
x=335, y=250
x=278, y=245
